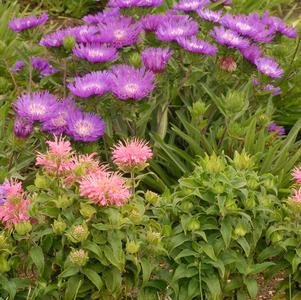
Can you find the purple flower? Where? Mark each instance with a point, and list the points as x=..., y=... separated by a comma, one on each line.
x=23, y=127
x=84, y=126
x=251, y=53
x=175, y=27
x=95, y=53
x=120, y=32
x=276, y=90
x=280, y=26
x=18, y=66
x=20, y=24
x=102, y=16
x=38, y=106
x=156, y=59
x=58, y=123
x=256, y=82
x=269, y=67
x=195, y=45
x=229, y=38
x=210, y=15
x=92, y=84
x=86, y=34
x=278, y=130
x=43, y=66
x=151, y=22
x=191, y=5
x=134, y=3
x=128, y=82
x=55, y=39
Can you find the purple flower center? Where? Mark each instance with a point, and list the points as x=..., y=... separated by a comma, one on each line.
x=83, y=127
x=131, y=88
x=119, y=34
x=37, y=109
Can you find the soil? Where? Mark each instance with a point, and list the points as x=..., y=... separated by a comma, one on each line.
x=268, y=289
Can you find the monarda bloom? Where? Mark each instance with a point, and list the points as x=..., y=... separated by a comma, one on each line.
x=120, y=32
x=132, y=155
x=296, y=197
x=276, y=129
x=59, y=122
x=229, y=38
x=102, y=16
x=269, y=67
x=95, y=53
x=42, y=65
x=195, y=45
x=38, y=106
x=85, y=127
x=175, y=27
x=92, y=84
x=128, y=82
x=23, y=128
x=58, y=159
x=20, y=24
x=251, y=53
x=191, y=5
x=297, y=174
x=156, y=59
x=105, y=189
x=228, y=64
x=210, y=15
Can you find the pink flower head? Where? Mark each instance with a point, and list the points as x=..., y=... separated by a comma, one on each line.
x=57, y=160
x=297, y=174
x=10, y=190
x=296, y=196
x=132, y=155
x=105, y=189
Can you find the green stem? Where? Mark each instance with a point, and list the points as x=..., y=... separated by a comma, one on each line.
x=133, y=182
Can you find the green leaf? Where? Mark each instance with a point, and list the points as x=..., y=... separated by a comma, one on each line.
x=185, y=253
x=226, y=231
x=37, y=256
x=183, y=271
x=112, y=279
x=258, y=268
x=245, y=245
x=214, y=287
x=70, y=271
x=252, y=287
x=93, y=277
x=147, y=269
x=73, y=285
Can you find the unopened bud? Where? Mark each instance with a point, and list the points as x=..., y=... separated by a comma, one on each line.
x=23, y=228
x=78, y=233
x=132, y=247
x=78, y=257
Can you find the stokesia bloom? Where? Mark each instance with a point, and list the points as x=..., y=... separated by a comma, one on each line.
x=58, y=158
x=151, y=22
x=95, y=53
x=132, y=155
x=280, y=26
x=269, y=67
x=156, y=59
x=251, y=53
x=134, y=3
x=86, y=34
x=92, y=84
x=175, y=27
x=120, y=32
x=297, y=174
x=38, y=106
x=229, y=38
x=18, y=66
x=276, y=129
x=23, y=127
x=210, y=15
x=85, y=127
x=196, y=45
x=105, y=189
x=55, y=39
x=43, y=66
x=191, y=5
x=58, y=123
x=20, y=24
x=276, y=90
x=102, y=16
x=128, y=82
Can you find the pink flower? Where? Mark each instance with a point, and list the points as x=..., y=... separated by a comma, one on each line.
x=10, y=190
x=297, y=174
x=297, y=196
x=105, y=189
x=58, y=158
x=131, y=155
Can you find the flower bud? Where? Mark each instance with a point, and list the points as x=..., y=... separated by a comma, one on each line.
x=87, y=210
x=23, y=228
x=243, y=161
x=136, y=216
x=276, y=237
x=269, y=183
x=132, y=247
x=41, y=182
x=220, y=132
x=22, y=128
x=64, y=201
x=240, y=230
x=234, y=102
x=230, y=204
x=2, y=240
x=236, y=130
x=198, y=109
x=250, y=202
x=78, y=257
x=264, y=120
x=4, y=264
x=58, y=226
x=266, y=201
x=252, y=183
x=78, y=233
x=187, y=205
x=193, y=225
x=153, y=237
x=135, y=60
x=228, y=64
x=218, y=188
x=213, y=164
x=152, y=198
x=69, y=42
